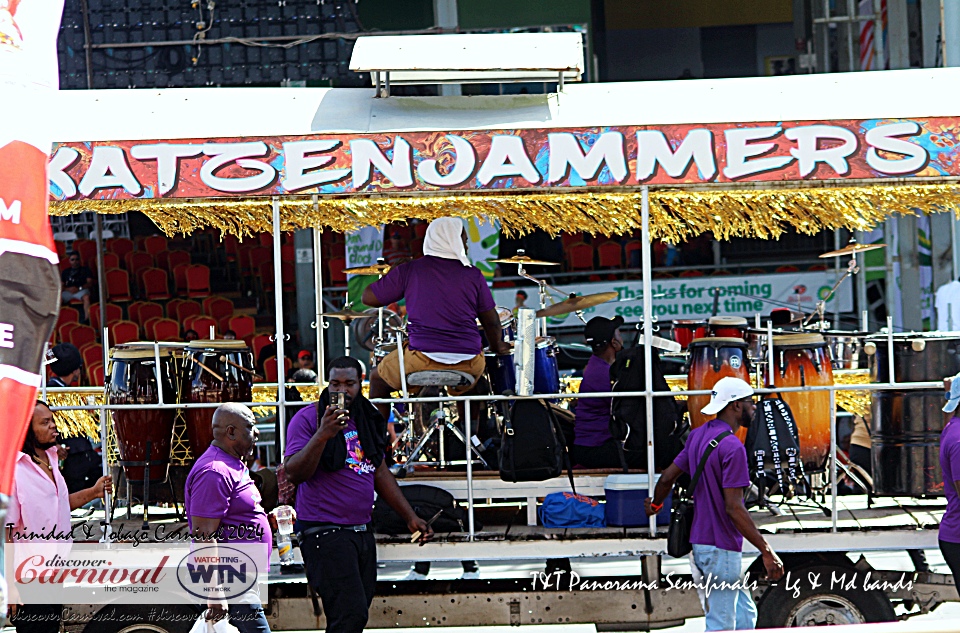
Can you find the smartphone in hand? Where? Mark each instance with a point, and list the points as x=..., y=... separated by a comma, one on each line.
x=339, y=401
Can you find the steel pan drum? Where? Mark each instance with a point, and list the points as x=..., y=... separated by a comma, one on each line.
x=906, y=425
x=216, y=371
x=144, y=435
x=845, y=348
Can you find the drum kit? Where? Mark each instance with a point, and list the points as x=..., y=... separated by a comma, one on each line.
x=806, y=356
x=167, y=374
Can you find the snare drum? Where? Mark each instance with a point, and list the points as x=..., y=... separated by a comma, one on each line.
x=684, y=332
x=507, y=327
x=727, y=327
x=801, y=360
x=546, y=369
x=143, y=435
x=215, y=371
x=710, y=360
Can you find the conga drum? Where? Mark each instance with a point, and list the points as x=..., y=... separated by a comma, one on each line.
x=727, y=327
x=710, y=360
x=216, y=371
x=801, y=360
x=686, y=331
x=144, y=435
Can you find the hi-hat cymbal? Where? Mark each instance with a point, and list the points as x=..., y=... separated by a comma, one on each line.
x=376, y=269
x=524, y=260
x=347, y=315
x=575, y=304
x=852, y=249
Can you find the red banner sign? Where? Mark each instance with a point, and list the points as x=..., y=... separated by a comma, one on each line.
x=507, y=159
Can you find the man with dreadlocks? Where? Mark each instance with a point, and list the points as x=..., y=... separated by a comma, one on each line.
x=40, y=505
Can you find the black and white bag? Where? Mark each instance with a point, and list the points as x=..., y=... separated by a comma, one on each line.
x=533, y=447
x=773, y=450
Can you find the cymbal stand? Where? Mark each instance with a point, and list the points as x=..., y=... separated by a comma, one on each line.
x=820, y=311
x=544, y=292
x=380, y=260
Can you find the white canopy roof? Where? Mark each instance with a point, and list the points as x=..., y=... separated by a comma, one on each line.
x=105, y=115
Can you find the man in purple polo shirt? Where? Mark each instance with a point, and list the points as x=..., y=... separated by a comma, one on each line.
x=335, y=458
x=222, y=504
x=593, y=446
x=444, y=295
x=950, y=467
x=721, y=521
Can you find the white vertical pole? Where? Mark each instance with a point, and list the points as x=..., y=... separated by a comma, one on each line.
x=833, y=460
x=318, y=281
x=879, y=63
x=468, y=434
x=278, y=306
x=648, y=341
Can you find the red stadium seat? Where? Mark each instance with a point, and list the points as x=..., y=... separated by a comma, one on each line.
x=95, y=374
x=180, y=278
x=143, y=311
x=67, y=315
x=201, y=324
x=114, y=313
x=258, y=343
x=80, y=335
x=92, y=353
x=580, y=257
x=118, y=285
x=610, y=255
x=155, y=244
x=244, y=326
x=628, y=249
x=198, y=281
x=337, y=276
x=218, y=308
x=120, y=246
x=87, y=250
x=63, y=331
x=153, y=281
x=270, y=368
x=124, y=332
x=135, y=261
x=185, y=309
x=168, y=260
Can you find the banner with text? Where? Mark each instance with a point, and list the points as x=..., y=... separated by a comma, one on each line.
x=363, y=249
x=692, y=298
x=498, y=160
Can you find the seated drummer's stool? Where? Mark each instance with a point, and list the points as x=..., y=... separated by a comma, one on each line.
x=440, y=422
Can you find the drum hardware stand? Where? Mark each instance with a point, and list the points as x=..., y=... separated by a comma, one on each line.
x=820, y=310
x=440, y=422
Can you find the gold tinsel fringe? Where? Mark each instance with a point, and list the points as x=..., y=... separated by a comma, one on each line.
x=676, y=214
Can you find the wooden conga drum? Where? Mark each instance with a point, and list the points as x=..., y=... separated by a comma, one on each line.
x=710, y=360
x=802, y=360
x=144, y=435
x=215, y=371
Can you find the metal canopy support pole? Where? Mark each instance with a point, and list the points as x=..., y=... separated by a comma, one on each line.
x=833, y=460
x=837, y=271
x=101, y=281
x=468, y=434
x=318, y=284
x=278, y=306
x=648, y=341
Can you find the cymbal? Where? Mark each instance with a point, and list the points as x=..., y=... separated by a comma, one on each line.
x=376, y=269
x=852, y=249
x=575, y=304
x=524, y=260
x=348, y=315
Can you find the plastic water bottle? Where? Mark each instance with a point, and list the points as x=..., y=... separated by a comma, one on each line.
x=284, y=516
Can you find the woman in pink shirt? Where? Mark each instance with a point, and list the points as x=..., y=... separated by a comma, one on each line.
x=40, y=508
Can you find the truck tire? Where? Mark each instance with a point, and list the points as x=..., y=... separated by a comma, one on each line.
x=132, y=618
x=824, y=605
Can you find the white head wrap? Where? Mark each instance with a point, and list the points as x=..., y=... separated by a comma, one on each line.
x=443, y=239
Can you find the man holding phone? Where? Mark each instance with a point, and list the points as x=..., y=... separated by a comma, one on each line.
x=334, y=455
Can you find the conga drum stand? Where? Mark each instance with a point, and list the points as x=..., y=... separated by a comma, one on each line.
x=146, y=485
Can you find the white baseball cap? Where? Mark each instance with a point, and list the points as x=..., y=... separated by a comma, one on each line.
x=726, y=390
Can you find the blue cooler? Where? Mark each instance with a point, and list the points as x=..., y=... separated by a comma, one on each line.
x=626, y=495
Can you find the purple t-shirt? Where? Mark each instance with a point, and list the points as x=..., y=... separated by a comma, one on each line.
x=345, y=496
x=444, y=298
x=950, y=467
x=725, y=468
x=592, y=424
x=220, y=487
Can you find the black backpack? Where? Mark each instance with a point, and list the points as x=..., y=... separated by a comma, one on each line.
x=628, y=416
x=426, y=501
x=533, y=447
x=773, y=449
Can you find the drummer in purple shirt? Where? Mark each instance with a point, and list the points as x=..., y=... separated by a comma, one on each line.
x=950, y=467
x=445, y=295
x=721, y=521
x=222, y=503
x=594, y=446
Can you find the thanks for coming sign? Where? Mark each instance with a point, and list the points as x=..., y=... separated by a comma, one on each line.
x=507, y=159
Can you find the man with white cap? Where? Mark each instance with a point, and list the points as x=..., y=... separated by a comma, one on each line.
x=950, y=467
x=721, y=521
x=445, y=295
